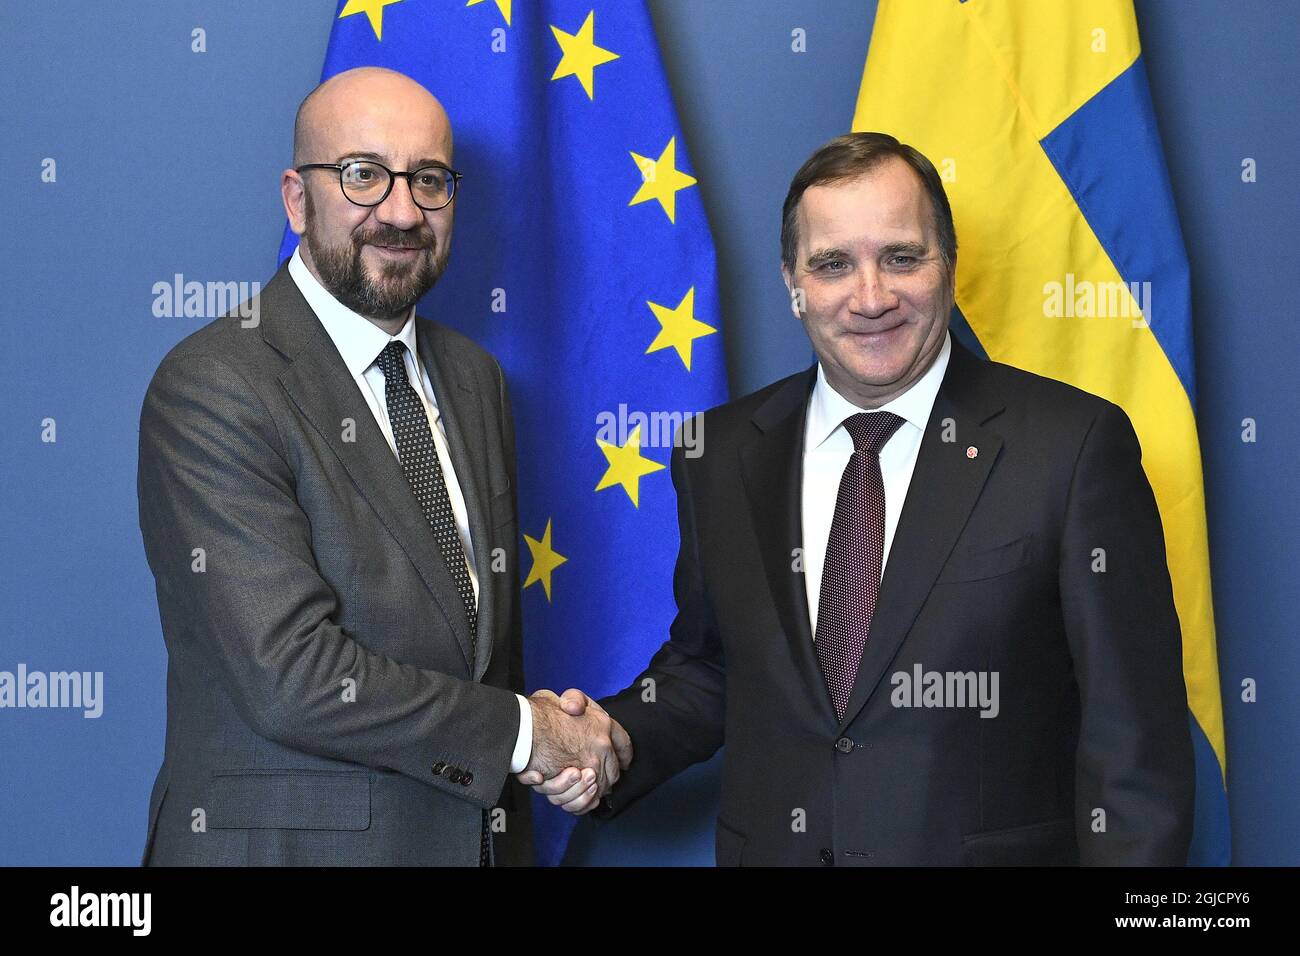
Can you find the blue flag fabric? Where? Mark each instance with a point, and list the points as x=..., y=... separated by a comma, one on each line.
x=582, y=259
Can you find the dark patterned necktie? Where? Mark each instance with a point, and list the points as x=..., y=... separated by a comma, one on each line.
x=854, y=555
x=413, y=433
x=419, y=456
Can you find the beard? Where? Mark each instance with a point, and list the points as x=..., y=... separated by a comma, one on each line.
x=396, y=288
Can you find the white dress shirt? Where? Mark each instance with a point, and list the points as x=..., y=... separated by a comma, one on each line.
x=826, y=450
x=359, y=342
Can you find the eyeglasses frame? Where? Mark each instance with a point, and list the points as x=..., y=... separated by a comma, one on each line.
x=392, y=178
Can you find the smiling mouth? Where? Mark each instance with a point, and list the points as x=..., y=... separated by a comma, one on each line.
x=396, y=253
x=873, y=333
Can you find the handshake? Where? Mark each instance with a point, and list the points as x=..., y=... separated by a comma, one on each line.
x=578, y=750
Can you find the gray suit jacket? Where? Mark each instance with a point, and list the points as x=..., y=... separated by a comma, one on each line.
x=322, y=706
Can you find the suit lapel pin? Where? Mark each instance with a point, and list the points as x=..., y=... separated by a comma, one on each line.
x=972, y=451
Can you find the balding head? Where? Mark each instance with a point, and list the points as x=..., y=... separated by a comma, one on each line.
x=366, y=101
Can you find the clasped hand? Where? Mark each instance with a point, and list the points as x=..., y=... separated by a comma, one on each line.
x=578, y=750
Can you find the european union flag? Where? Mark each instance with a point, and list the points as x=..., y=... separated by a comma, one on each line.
x=582, y=259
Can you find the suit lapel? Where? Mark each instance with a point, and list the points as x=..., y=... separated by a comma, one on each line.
x=318, y=382
x=772, y=467
x=945, y=485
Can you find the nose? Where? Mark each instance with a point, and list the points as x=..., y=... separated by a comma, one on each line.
x=872, y=296
x=398, y=208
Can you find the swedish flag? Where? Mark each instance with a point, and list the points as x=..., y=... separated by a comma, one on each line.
x=582, y=259
x=1039, y=118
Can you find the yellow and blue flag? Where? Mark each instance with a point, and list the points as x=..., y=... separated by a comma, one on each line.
x=1039, y=119
x=583, y=260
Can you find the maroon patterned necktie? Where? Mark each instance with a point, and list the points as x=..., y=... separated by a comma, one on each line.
x=854, y=555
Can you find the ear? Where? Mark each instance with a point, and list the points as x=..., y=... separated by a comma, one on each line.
x=294, y=197
x=796, y=295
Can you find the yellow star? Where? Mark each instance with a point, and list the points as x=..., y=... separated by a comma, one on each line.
x=545, y=560
x=374, y=11
x=581, y=55
x=661, y=179
x=626, y=466
x=679, y=327
x=502, y=5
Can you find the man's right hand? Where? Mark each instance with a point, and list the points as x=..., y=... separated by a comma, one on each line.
x=578, y=750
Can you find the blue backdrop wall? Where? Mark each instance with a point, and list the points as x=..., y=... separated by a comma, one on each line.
x=166, y=162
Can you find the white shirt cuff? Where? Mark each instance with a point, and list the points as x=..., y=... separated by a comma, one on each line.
x=524, y=742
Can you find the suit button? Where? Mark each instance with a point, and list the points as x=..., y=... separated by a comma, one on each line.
x=466, y=779
x=844, y=745
x=827, y=857
x=438, y=768
x=454, y=776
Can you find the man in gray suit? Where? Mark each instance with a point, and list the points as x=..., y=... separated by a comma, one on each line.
x=328, y=505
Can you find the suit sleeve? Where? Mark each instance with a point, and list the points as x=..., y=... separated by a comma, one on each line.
x=1134, y=760
x=675, y=710
x=514, y=847
x=257, y=616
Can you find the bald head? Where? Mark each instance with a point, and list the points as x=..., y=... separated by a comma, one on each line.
x=370, y=109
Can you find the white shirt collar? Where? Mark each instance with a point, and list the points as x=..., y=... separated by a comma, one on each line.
x=828, y=408
x=358, y=340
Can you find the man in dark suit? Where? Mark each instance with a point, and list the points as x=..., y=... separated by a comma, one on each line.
x=327, y=499
x=922, y=597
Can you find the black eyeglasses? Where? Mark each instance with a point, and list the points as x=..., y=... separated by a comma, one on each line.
x=368, y=183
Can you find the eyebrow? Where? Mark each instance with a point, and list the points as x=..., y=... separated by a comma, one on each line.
x=918, y=249
x=363, y=154
x=905, y=247
x=825, y=255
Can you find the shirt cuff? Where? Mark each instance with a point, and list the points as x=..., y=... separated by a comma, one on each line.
x=524, y=742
